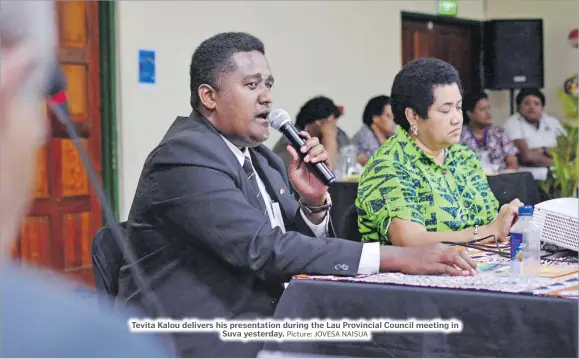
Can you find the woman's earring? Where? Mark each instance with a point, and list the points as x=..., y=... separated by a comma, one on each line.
x=414, y=130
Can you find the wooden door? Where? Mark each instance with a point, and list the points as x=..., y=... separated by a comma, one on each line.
x=65, y=214
x=455, y=47
x=457, y=44
x=417, y=41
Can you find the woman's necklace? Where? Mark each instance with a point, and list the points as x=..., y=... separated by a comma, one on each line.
x=481, y=143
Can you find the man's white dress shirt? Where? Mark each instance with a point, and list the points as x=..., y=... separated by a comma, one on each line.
x=370, y=258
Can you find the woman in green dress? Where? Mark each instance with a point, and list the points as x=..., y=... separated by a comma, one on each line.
x=422, y=186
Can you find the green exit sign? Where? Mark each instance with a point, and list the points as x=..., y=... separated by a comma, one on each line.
x=447, y=7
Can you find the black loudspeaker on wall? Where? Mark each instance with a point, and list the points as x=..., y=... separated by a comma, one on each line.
x=513, y=54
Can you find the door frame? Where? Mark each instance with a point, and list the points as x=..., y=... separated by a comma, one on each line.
x=108, y=83
x=477, y=28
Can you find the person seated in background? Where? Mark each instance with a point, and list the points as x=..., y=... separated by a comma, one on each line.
x=378, y=125
x=533, y=131
x=318, y=117
x=488, y=141
x=214, y=221
x=422, y=186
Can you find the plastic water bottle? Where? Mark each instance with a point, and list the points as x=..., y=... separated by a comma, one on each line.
x=525, y=246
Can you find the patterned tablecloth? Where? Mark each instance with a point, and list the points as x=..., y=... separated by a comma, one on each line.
x=559, y=278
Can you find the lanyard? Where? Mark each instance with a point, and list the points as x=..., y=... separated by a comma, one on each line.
x=480, y=144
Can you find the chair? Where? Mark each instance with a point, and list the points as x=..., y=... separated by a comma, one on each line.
x=349, y=229
x=343, y=196
x=107, y=260
x=509, y=186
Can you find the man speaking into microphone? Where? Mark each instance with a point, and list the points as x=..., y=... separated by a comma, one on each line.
x=215, y=222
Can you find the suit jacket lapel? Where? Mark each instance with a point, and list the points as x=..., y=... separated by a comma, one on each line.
x=274, y=183
x=268, y=172
x=221, y=147
x=264, y=171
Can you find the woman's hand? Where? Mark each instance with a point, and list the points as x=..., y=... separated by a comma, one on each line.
x=501, y=226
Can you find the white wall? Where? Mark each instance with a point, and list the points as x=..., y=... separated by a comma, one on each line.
x=560, y=59
x=347, y=50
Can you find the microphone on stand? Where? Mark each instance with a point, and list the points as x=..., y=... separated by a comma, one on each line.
x=57, y=99
x=57, y=102
x=57, y=88
x=281, y=121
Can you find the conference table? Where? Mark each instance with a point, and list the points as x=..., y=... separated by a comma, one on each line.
x=500, y=317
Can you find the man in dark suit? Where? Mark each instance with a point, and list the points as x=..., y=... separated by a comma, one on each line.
x=214, y=220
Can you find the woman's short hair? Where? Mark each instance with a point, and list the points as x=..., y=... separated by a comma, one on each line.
x=315, y=109
x=529, y=92
x=414, y=85
x=374, y=107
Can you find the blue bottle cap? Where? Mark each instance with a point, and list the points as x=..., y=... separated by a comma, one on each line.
x=526, y=211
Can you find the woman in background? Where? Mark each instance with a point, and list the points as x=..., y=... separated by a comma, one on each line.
x=533, y=131
x=319, y=117
x=484, y=138
x=378, y=125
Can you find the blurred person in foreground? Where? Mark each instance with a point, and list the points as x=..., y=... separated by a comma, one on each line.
x=422, y=187
x=318, y=117
x=214, y=222
x=378, y=126
x=40, y=315
x=483, y=137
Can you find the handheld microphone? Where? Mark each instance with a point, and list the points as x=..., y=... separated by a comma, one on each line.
x=281, y=121
x=56, y=96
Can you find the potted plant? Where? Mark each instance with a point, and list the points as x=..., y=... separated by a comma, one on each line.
x=566, y=163
x=563, y=178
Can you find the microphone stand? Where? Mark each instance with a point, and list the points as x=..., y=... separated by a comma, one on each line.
x=149, y=296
